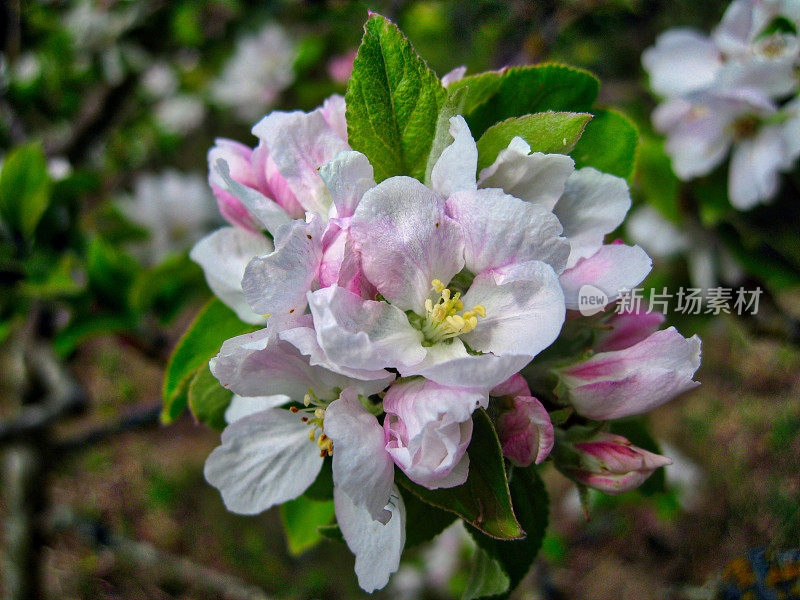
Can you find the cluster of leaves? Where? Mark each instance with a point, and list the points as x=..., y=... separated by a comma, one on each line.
x=398, y=115
x=68, y=264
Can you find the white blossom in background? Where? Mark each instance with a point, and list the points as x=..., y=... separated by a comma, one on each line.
x=180, y=114
x=731, y=93
x=93, y=24
x=260, y=68
x=175, y=208
x=160, y=80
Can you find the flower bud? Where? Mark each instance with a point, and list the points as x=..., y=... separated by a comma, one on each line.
x=608, y=462
x=526, y=433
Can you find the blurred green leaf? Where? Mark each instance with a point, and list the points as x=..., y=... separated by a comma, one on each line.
x=208, y=400
x=213, y=325
x=24, y=188
x=656, y=181
x=526, y=90
x=531, y=506
x=68, y=339
x=549, y=132
x=322, y=488
x=59, y=280
x=331, y=532
x=608, y=144
x=167, y=287
x=486, y=577
x=484, y=499
x=111, y=272
x=302, y=518
x=393, y=102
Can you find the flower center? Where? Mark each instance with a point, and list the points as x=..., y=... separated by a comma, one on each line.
x=314, y=417
x=745, y=127
x=442, y=320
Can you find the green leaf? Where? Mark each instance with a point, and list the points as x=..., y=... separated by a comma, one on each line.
x=59, y=280
x=656, y=181
x=423, y=521
x=541, y=88
x=486, y=577
x=608, y=144
x=393, y=102
x=302, y=518
x=531, y=507
x=24, y=188
x=480, y=88
x=483, y=500
x=452, y=107
x=549, y=132
x=213, y=325
x=208, y=400
x=331, y=532
x=636, y=432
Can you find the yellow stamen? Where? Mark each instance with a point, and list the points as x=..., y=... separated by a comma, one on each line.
x=442, y=320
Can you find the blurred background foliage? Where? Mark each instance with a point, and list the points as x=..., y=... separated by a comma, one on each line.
x=107, y=110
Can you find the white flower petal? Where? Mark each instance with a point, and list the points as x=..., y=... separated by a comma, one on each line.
x=361, y=466
x=223, y=256
x=755, y=164
x=524, y=310
x=593, y=205
x=242, y=406
x=265, y=459
x=406, y=241
x=537, y=178
x=277, y=284
x=300, y=143
x=613, y=269
x=682, y=61
x=348, y=177
x=363, y=334
x=456, y=168
x=500, y=230
x=377, y=546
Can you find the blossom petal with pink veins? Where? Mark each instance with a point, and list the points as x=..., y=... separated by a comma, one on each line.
x=305, y=340
x=534, y=177
x=238, y=157
x=223, y=256
x=635, y=380
x=261, y=364
x=277, y=284
x=628, y=328
x=500, y=230
x=451, y=364
x=300, y=143
x=456, y=169
x=682, y=61
x=753, y=174
x=272, y=183
x=524, y=310
x=361, y=466
x=363, y=334
x=263, y=209
x=526, y=432
x=428, y=428
x=264, y=459
x=333, y=110
x=406, y=241
x=348, y=177
x=593, y=205
x=242, y=406
x=613, y=269
x=377, y=547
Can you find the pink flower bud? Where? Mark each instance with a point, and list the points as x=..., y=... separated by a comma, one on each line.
x=609, y=463
x=238, y=156
x=629, y=328
x=511, y=387
x=526, y=432
x=634, y=380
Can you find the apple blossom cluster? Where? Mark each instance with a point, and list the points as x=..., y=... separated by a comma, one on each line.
x=733, y=91
x=392, y=311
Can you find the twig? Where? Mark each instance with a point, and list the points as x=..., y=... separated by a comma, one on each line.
x=140, y=420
